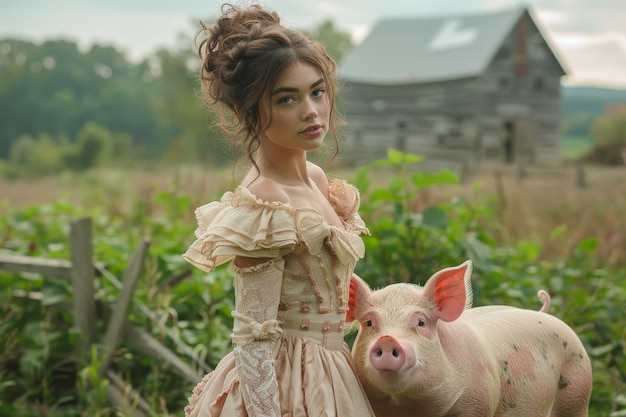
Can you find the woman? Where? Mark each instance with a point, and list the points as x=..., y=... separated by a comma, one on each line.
x=292, y=234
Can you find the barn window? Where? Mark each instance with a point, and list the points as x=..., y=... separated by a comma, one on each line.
x=379, y=105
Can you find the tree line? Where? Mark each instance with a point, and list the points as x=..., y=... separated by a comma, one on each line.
x=80, y=104
x=67, y=108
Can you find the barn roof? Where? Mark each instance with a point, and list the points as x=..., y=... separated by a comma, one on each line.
x=411, y=50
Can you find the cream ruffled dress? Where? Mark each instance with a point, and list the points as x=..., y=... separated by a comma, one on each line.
x=311, y=363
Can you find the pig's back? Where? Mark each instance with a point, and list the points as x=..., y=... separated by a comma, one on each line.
x=537, y=355
x=512, y=328
x=501, y=320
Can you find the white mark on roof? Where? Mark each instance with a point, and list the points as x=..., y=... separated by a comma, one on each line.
x=452, y=35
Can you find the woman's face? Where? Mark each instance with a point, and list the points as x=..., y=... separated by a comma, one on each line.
x=300, y=110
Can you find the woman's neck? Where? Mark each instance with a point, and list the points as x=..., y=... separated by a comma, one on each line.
x=284, y=169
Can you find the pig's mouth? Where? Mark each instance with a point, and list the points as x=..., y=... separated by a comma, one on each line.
x=394, y=382
x=386, y=384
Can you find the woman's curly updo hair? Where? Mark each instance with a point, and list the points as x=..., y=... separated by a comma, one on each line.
x=243, y=54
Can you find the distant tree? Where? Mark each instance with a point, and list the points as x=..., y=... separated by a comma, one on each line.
x=36, y=156
x=610, y=128
x=91, y=143
x=120, y=149
x=47, y=156
x=56, y=88
x=181, y=108
x=22, y=150
x=336, y=41
x=609, y=133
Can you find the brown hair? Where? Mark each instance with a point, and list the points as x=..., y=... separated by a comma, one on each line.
x=243, y=55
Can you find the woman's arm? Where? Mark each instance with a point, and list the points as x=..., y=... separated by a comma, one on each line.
x=257, y=295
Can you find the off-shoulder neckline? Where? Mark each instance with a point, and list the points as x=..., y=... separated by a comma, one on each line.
x=288, y=207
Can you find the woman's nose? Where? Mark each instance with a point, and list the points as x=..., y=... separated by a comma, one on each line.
x=310, y=110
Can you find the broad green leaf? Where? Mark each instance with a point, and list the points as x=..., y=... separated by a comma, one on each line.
x=381, y=194
x=588, y=245
x=558, y=231
x=423, y=179
x=435, y=217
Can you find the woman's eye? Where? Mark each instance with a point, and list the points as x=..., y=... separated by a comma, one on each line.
x=318, y=93
x=285, y=100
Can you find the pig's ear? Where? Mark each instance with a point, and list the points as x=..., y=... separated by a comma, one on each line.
x=359, y=293
x=451, y=291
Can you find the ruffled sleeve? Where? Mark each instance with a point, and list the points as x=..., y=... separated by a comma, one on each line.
x=240, y=225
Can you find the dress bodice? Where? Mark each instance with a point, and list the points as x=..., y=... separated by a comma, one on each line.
x=318, y=258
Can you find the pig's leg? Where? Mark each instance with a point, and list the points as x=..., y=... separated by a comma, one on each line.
x=572, y=399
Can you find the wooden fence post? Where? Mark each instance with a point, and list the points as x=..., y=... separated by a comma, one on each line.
x=82, y=276
x=120, y=311
x=581, y=180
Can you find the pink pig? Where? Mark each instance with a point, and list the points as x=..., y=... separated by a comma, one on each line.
x=423, y=351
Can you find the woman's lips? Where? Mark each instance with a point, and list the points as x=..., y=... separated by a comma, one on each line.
x=312, y=131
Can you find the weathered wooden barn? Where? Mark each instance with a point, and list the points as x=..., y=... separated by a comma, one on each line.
x=471, y=88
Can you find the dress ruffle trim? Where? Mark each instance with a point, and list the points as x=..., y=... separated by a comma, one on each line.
x=240, y=224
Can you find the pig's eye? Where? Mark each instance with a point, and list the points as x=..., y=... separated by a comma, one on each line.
x=421, y=323
x=368, y=323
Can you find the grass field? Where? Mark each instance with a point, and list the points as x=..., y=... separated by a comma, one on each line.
x=529, y=209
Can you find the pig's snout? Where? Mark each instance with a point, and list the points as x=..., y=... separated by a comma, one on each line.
x=387, y=354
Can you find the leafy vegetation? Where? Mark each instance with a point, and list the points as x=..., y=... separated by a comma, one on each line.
x=42, y=373
x=50, y=93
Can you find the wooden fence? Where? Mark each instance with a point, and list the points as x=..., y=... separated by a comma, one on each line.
x=82, y=271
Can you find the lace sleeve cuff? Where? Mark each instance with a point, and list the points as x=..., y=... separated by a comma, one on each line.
x=248, y=329
x=257, y=294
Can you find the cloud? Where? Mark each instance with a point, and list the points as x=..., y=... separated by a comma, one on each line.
x=595, y=61
x=589, y=35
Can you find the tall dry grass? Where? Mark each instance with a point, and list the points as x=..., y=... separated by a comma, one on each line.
x=531, y=207
x=527, y=209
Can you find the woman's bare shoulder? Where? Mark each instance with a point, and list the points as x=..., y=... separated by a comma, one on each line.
x=268, y=190
x=318, y=175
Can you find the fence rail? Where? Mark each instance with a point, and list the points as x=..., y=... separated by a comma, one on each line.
x=82, y=270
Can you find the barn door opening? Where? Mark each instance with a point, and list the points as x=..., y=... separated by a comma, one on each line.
x=401, y=135
x=508, y=141
x=518, y=141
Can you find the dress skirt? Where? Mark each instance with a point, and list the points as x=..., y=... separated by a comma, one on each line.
x=313, y=381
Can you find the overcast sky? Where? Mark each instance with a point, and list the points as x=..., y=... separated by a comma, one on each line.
x=589, y=35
